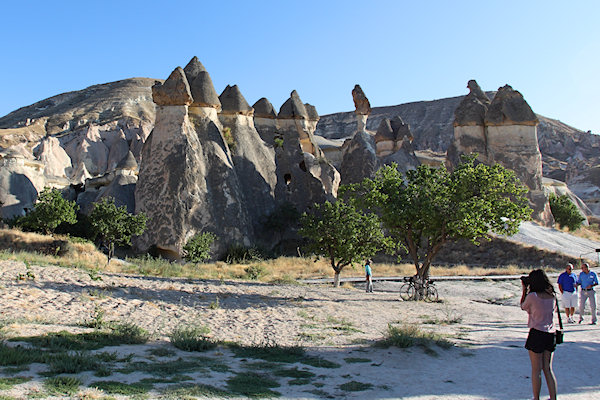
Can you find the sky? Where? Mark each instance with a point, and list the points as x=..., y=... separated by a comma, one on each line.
x=398, y=51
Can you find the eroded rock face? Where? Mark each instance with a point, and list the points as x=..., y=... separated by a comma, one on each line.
x=507, y=135
x=308, y=176
x=359, y=160
x=265, y=121
x=362, y=108
x=253, y=159
x=187, y=184
x=55, y=159
x=21, y=179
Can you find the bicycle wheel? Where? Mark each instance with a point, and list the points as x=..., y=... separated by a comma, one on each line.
x=432, y=294
x=407, y=292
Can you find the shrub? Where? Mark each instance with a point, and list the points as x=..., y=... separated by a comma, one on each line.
x=239, y=254
x=255, y=271
x=197, y=248
x=192, y=338
x=565, y=212
x=51, y=210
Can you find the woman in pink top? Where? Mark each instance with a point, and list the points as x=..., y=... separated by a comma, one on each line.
x=539, y=302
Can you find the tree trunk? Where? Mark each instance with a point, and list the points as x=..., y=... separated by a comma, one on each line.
x=336, y=279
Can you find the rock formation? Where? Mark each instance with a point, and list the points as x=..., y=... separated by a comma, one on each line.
x=21, y=179
x=253, y=159
x=308, y=176
x=187, y=182
x=265, y=121
x=507, y=134
x=362, y=106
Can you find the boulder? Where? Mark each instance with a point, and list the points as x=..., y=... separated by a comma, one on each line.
x=203, y=91
x=232, y=102
x=509, y=108
x=361, y=102
x=293, y=108
x=265, y=122
x=193, y=68
x=175, y=91
x=264, y=109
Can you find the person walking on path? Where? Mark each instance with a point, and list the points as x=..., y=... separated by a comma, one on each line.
x=369, y=276
x=567, y=284
x=539, y=302
x=587, y=280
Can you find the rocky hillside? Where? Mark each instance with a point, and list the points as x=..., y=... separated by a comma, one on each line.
x=431, y=123
x=126, y=100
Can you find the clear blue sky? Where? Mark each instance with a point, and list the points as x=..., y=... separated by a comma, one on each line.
x=398, y=51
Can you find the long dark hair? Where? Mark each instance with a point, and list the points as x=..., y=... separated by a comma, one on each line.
x=539, y=282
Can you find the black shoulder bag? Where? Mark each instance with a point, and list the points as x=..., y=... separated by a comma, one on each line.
x=559, y=333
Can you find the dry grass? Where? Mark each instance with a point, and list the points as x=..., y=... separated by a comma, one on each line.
x=42, y=250
x=591, y=232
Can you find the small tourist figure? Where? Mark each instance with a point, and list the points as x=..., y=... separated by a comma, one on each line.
x=369, y=275
x=587, y=280
x=567, y=284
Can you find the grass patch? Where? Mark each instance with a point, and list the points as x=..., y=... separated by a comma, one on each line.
x=274, y=353
x=294, y=373
x=7, y=383
x=71, y=363
x=354, y=386
x=114, y=387
x=354, y=360
x=161, y=352
x=319, y=362
x=11, y=356
x=162, y=368
x=173, y=379
x=404, y=336
x=253, y=385
x=119, y=333
x=192, y=338
x=62, y=385
x=194, y=391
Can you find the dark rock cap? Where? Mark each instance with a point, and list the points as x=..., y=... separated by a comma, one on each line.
x=232, y=102
x=128, y=163
x=476, y=91
x=311, y=110
x=472, y=108
x=363, y=107
x=385, y=131
x=203, y=91
x=400, y=129
x=264, y=109
x=193, y=68
x=174, y=92
x=293, y=108
x=510, y=108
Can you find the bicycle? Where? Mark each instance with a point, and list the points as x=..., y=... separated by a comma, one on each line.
x=413, y=289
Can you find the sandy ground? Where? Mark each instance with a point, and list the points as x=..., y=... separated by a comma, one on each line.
x=481, y=318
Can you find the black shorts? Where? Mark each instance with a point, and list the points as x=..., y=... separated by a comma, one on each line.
x=539, y=341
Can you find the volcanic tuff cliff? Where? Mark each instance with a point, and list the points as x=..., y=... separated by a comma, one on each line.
x=84, y=134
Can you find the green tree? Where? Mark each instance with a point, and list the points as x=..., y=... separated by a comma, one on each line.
x=431, y=206
x=341, y=233
x=114, y=225
x=565, y=212
x=197, y=248
x=50, y=210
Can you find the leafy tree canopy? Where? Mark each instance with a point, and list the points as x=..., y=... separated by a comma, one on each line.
x=197, y=248
x=430, y=206
x=114, y=225
x=341, y=233
x=565, y=212
x=50, y=210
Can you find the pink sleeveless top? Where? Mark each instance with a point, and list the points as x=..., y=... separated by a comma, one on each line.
x=541, y=312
